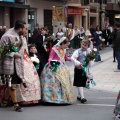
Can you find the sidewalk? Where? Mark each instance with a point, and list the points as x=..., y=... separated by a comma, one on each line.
x=103, y=72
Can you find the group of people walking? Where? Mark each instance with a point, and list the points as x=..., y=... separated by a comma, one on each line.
x=28, y=75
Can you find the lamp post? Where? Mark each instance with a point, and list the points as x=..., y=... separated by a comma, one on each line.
x=100, y=3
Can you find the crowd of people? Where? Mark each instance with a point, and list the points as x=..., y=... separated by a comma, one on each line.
x=36, y=72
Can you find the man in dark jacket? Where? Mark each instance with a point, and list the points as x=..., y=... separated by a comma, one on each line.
x=117, y=46
x=41, y=46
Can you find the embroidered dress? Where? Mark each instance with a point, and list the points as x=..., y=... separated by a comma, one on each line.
x=57, y=86
x=31, y=94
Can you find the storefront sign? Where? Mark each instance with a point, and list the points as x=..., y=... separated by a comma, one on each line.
x=74, y=11
x=8, y=0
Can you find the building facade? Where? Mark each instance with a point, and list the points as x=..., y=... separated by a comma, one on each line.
x=10, y=11
x=113, y=11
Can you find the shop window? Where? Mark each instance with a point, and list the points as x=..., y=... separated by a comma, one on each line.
x=86, y=2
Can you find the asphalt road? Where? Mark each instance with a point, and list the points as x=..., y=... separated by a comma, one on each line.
x=100, y=106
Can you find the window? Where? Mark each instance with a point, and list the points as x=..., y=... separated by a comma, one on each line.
x=86, y=2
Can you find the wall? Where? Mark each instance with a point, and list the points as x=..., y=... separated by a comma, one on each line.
x=41, y=5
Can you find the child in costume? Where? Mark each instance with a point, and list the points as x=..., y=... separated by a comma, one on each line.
x=80, y=77
x=36, y=58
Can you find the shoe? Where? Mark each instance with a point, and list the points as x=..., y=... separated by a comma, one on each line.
x=83, y=100
x=18, y=109
x=114, y=61
x=79, y=98
x=117, y=70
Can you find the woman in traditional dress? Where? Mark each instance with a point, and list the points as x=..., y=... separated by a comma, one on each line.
x=31, y=92
x=57, y=86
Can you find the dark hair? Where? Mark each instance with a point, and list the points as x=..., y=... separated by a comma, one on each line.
x=19, y=24
x=32, y=45
x=65, y=41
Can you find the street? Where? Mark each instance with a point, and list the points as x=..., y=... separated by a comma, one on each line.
x=101, y=98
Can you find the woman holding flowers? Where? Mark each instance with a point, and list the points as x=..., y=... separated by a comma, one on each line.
x=55, y=78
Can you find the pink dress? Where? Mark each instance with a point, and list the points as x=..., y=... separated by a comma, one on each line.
x=56, y=85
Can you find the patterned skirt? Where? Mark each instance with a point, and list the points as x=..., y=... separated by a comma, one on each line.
x=57, y=86
x=31, y=94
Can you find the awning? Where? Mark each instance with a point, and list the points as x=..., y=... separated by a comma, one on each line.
x=14, y=5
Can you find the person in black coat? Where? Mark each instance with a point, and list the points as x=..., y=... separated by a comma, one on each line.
x=113, y=34
x=41, y=46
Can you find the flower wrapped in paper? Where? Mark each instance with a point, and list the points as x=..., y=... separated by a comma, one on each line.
x=4, y=50
x=7, y=49
x=36, y=62
x=54, y=64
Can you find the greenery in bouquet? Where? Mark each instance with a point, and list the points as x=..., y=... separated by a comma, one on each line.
x=91, y=56
x=54, y=65
x=50, y=38
x=7, y=49
x=36, y=62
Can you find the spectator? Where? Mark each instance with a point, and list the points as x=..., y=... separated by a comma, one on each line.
x=117, y=47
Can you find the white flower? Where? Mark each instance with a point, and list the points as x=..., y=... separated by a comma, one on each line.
x=103, y=39
x=53, y=34
x=94, y=49
x=35, y=59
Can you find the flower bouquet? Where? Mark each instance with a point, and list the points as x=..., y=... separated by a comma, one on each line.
x=54, y=64
x=7, y=49
x=91, y=56
x=49, y=38
x=103, y=40
x=36, y=62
